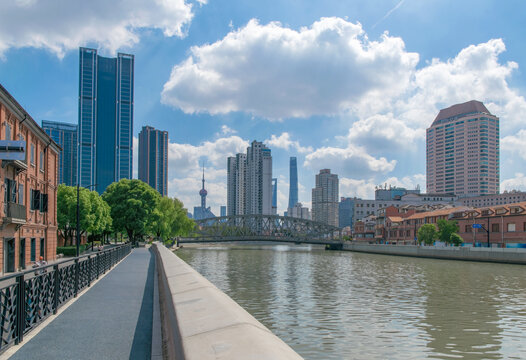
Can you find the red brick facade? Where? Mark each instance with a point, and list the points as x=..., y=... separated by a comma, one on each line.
x=506, y=225
x=26, y=233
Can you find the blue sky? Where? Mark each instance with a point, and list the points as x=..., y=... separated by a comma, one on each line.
x=349, y=85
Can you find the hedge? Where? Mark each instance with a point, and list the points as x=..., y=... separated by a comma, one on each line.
x=70, y=250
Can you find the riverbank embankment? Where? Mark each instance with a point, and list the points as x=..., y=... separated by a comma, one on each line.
x=201, y=322
x=496, y=255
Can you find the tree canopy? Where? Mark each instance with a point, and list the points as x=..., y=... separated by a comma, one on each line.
x=456, y=239
x=94, y=212
x=169, y=219
x=445, y=229
x=427, y=234
x=133, y=204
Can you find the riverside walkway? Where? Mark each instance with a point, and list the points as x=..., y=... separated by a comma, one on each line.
x=112, y=320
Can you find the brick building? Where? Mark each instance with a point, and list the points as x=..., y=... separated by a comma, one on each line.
x=506, y=225
x=28, y=198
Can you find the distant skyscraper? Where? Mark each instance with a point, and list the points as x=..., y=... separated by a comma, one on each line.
x=325, y=198
x=153, y=158
x=274, y=196
x=463, y=151
x=223, y=210
x=258, y=196
x=293, y=188
x=105, y=118
x=249, y=181
x=345, y=212
x=65, y=135
x=236, y=172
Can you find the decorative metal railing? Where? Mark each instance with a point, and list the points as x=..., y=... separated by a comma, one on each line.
x=29, y=297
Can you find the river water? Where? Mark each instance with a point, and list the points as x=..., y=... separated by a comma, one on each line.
x=344, y=305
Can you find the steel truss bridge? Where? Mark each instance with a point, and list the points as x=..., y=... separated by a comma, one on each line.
x=263, y=228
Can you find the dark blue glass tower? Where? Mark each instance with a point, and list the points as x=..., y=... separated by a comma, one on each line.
x=153, y=158
x=105, y=118
x=293, y=188
x=65, y=135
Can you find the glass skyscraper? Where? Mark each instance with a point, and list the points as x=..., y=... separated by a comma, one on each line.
x=65, y=135
x=105, y=118
x=153, y=158
x=293, y=188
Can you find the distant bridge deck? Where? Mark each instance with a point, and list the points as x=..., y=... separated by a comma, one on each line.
x=280, y=239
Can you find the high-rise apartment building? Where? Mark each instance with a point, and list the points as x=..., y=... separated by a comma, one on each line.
x=222, y=210
x=153, y=158
x=105, y=118
x=325, y=198
x=236, y=184
x=249, y=181
x=293, y=177
x=65, y=135
x=463, y=151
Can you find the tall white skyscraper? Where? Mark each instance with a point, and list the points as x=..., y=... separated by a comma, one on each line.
x=325, y=198
x=249, y=181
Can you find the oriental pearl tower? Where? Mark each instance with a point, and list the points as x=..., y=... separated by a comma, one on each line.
x=203, y=193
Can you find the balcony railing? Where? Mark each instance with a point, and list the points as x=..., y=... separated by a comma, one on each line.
x=15, y=213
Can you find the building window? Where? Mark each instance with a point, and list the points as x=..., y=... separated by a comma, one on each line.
x=467, y=228
x=494, y=227
x=32, y=154
x=33, y=248
x=41, y=161
x=42, y=247
x=511, y=227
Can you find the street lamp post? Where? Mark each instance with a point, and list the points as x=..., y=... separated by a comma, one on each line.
x=78, y=215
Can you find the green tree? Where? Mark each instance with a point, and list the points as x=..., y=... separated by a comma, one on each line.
x=132, y=204
x=427, y=234
x=94, y=212
x=170, y=219
x=162, y=218
x=445, y=229
x=182, y=225
x=456, y=239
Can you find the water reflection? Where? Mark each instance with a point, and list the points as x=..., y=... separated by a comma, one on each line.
x=342, y=305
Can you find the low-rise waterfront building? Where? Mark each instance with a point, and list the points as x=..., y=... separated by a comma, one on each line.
x=28, y=199
x=507, y=197
x=501, y=225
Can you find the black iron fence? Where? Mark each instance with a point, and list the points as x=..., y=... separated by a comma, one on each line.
x=29, y=297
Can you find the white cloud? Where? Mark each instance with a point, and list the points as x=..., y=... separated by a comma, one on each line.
x=60, y=26
x=284, y=142
x=277, y=72
x=384, y=133
x=516, y=183
x=475, y=73
x=515, y=143
x=225, y=130
x=184, y=157
x=352, y=161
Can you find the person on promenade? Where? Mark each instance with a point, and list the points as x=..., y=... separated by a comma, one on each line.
x=40, y=263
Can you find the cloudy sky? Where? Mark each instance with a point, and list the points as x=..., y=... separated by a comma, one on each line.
x=345, y=85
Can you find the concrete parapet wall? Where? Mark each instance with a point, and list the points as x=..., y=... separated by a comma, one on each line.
x=509, y=256
x=201, y=322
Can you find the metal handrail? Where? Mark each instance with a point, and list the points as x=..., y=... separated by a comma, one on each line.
x=39, y=292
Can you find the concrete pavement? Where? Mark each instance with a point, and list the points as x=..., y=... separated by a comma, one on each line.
x=112, y=320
